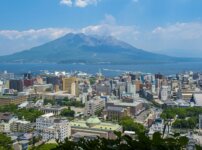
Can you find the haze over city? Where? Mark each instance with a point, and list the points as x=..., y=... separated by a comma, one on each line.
x=172, y=27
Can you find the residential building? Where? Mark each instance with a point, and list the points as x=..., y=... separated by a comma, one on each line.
x=200, y=121
x=94, y=105
x=52, y=128
x=20, y=126
x=60, y=129
x=5, y=121
x=44, y=121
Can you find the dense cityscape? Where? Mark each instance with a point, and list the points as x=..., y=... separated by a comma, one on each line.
x=100, y=75
x=39, y=110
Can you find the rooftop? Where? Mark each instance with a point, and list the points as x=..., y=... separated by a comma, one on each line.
x=114, y=108
x=98, y=126
x=48, y=115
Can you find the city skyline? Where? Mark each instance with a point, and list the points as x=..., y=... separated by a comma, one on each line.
x=164, y=26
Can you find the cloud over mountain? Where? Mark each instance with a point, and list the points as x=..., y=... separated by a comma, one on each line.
x=178, y=36
x=79, y=3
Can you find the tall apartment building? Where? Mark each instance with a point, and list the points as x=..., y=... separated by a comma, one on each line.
x=164, y=93
x=52, y=128
x=60, y=129
x=200, y=121
x=44, y=121
x=93, y=106
x=70, y=85
x=16, y=85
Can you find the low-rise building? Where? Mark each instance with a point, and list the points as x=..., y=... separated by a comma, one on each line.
x=136, y=107
x=7, y=100
x=56, y=110
x=94, y=127
x=5, y=121
x=116, y=113
x=20, y=126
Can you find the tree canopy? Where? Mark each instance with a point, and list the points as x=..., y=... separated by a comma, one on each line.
x=5, y=142
x=28, y=114
x=125, y=142
x=129, y=124
x=67, y=113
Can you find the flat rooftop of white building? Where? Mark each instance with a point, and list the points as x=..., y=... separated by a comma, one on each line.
x=48, y=115
x=120, y=103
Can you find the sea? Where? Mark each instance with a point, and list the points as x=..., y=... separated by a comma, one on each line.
x=105, y=69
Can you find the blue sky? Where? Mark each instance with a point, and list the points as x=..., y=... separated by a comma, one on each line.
x=171, y=27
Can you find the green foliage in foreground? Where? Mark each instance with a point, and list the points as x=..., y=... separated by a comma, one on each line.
x=5, y=142
x=28, y=114
x=46, y=147
x=129, y=125
x=125, y=142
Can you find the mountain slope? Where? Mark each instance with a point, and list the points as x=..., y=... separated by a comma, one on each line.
x=80, y=48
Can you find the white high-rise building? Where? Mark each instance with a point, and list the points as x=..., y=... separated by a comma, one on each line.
x=44, y=121
x=53, y=128
x=59, y=130
x=131, y=88
x=164, y=93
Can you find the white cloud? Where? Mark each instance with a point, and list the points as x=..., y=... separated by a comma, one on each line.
x=163, y=39
x=180, y=31
x=66, y=2
x=109, y=19
x=79, y=3
x=50, y=33
x=108, y=27
x=126, y=33
x=14, y=40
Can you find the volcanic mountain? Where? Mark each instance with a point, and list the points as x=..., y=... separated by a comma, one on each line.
x=81, y=48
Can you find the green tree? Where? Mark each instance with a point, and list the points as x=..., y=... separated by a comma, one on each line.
x=125, y=142
x=129, y=124
x=68, y=112
x=92, y=80
x=46, y=101
x=5, y=142
x=46, y=147
x=28, y=114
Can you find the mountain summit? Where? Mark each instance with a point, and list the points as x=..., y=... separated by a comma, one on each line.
x=81, y=48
